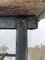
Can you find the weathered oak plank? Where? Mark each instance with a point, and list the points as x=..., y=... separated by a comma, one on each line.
x=21, y=7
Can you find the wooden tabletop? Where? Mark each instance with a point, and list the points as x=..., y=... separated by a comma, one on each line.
x=21, y=7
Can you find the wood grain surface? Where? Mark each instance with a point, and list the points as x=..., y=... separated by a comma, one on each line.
x=21, y=7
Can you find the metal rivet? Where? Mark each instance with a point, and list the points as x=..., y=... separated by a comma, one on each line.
x=23, y=20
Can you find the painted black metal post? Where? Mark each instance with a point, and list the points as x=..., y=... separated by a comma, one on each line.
x=21, y=41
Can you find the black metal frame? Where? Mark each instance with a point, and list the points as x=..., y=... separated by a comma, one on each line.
x=6, y=54
x=21, y=26
x=9, y=24
x=9, y=55
x=3, y=55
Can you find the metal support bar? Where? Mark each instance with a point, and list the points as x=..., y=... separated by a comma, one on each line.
x=10, y=22
x=10, y=55
x=21, y=41
x=2, y=57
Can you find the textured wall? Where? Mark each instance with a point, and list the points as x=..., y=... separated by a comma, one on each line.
x=37, y=53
